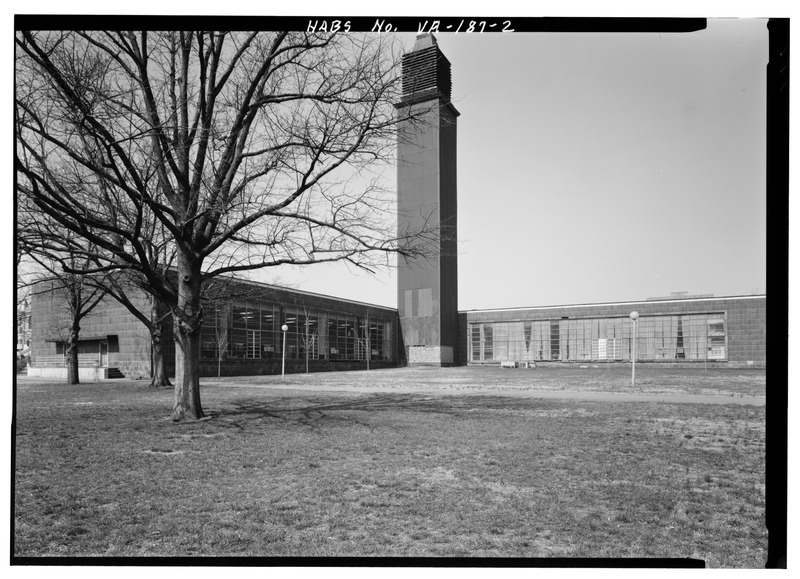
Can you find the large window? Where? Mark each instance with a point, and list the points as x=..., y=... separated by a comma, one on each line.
x=337, y=338
x=253, y=344
x=678, y=337
x=376, y=340
x=476, y=342
x=240, y=330
x=355, y=338
x=555, y=341
x=346, y=338
x=716, y=339
x=241, y=315
x=252, y=330
x=215, y=333
x=488, y=341
x=303, y=335
x=270, y=331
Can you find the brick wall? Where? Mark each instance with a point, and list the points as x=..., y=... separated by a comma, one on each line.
x=746, y=321
x=129, y=340
x=244, y=367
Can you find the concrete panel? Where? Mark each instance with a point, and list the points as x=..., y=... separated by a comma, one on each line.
x=84, y=374
x=430, y=356
x=424, y=302
x=408, y=304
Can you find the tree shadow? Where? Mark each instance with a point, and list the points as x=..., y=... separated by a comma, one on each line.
x=243, y=413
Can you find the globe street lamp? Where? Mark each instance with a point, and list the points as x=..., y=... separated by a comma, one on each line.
x=284, y=329
x=634, y=318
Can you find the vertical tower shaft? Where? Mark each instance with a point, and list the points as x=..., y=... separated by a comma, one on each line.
x=427, y=288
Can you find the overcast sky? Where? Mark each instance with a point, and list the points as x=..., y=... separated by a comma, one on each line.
x=601, y=167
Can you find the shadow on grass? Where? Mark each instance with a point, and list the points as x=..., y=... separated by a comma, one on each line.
x=242, y=413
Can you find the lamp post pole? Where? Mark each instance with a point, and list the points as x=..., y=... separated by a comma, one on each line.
x=284, y=329
x=634, y=318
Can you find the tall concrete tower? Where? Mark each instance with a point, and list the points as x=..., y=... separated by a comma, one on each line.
x=427, y=289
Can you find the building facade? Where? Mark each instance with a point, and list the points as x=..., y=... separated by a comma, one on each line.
x=110, y=337
x=726, y=331
x=241, y=335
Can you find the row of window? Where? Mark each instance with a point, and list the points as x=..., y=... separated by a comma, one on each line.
x=687, y=337
x=253, y=330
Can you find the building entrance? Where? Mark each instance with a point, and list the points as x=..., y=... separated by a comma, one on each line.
x=104, y=354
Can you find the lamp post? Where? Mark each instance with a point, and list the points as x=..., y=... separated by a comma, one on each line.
x=284, y=329
x=634, y=318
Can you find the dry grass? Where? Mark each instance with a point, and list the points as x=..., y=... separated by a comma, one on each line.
x=599, y=378
x=100, y=471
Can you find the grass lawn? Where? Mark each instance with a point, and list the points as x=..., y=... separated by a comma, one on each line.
x=275, y=472
x=595, y=378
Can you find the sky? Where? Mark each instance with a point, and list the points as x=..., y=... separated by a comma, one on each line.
x=600, y=167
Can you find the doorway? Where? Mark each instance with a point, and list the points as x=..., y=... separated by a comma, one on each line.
x=104, y=354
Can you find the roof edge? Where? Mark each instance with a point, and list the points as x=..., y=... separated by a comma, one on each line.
x=595, y=304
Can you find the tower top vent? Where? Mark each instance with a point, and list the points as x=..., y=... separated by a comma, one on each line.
x=426, y=72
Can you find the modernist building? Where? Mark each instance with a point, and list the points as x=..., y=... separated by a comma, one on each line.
x=242, y=334
x=724, y=331
x=337, y=334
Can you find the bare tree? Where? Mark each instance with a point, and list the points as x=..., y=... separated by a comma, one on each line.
x=221, y=340
x=127, y=284
x=309, y=336
x=151, y=312
x=53, y=260
x=363, y=339
x=41, y=237
x=72, y=297
x=251, y=150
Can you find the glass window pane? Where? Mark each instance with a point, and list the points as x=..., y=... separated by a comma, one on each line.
x=488, y=342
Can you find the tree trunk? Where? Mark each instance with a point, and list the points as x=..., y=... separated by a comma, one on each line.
x=72, y=359
x=159, y=377
x=187, y=318
x=158, y=370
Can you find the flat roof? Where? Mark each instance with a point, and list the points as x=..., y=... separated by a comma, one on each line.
x=308, y=293
x=630, y=303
